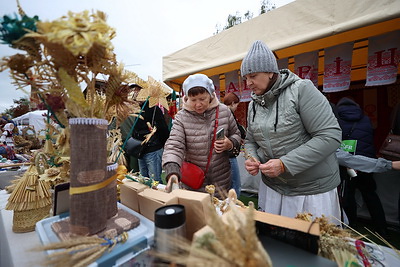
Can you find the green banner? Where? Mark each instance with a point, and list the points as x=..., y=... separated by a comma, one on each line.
x=349, y=145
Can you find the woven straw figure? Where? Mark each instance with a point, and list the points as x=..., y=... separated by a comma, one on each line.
x=30, y=200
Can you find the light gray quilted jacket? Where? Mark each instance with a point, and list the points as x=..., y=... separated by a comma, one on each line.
x=190, y=139
x=294, y=122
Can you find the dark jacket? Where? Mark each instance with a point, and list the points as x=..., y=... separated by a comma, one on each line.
x=156, y=118
x=356, y=126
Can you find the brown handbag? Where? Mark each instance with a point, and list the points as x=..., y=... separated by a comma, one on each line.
x=390, y=148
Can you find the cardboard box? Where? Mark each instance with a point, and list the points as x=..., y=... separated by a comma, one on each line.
x=286, y=222
x=196, y=209
x=129, y=194
x=202, y=231
x=299, y=233
x=150, y=200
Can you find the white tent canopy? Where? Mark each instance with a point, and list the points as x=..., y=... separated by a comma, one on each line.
x=34, y=119
x=295, y=23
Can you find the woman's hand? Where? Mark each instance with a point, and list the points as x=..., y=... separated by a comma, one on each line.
x=252, y=166
x=272, y=168
x=222, y=145
x=172, y=184
x=396, y=165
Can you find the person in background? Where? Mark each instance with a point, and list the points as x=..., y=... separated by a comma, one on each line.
x=193, y=131
x=365, y=164
x=292, y=136
x=7, y=135
x=357, y=128
x=131, y=161
x=7, y=142
x=232, y=101
x=2, y=123
x=150, y=162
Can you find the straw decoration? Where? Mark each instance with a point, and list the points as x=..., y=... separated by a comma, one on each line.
x=82, y=251
x=230, y=240
x=156, y=92
x=137, y=177
x=62, y=55
x=344, y=258
x=40, y=161
x=114, y=147
x=333, y=240
x=29, y=193
x=62, y=144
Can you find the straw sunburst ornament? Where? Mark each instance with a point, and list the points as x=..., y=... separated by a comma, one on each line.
x=156, y=92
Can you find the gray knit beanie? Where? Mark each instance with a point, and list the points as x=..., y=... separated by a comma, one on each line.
x=259, y=59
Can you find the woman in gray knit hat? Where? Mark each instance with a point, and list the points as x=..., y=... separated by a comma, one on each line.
x=291, y=139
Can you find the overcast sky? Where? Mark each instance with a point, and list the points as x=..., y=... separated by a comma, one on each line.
x=146, y=30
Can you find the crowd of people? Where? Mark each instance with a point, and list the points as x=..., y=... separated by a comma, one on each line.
x=293, y=138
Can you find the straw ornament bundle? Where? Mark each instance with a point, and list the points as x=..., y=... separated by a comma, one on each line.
x=80, y=251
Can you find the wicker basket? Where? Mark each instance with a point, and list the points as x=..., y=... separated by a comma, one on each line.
x=25, y=221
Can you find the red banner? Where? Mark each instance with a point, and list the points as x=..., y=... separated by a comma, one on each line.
x=337, y=67
x=232, y=83
x=306, y=66
x=383, y=59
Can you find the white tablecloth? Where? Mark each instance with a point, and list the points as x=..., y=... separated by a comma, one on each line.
x=15, y=248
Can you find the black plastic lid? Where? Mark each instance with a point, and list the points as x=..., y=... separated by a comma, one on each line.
x=170, y=216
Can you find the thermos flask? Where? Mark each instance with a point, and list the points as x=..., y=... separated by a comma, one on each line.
x=170, y=225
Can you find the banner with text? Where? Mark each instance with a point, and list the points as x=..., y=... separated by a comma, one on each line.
x=232, y=82
x=337, y=67
x=306, y=66
x=383, y=59
x=217, y=86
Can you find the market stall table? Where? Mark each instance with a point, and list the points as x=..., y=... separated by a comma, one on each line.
x=15, y=248
x=6, y=176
